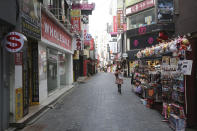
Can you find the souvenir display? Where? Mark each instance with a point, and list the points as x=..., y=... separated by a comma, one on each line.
x=161, y=71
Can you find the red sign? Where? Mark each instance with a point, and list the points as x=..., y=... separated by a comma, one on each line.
x=18, y=58
x=125, y=27
x=140, y=6
x=76, y=24
x=115, y=24
x=142, y=30
x=92, y=44
x=14, y=41
x=83, y=6
x=55, y=34
x=87, y=6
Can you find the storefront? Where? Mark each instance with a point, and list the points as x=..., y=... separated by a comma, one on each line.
x=55, y=59
x=161, y=71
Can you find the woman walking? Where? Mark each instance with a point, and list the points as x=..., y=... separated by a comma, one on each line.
x=119, y=79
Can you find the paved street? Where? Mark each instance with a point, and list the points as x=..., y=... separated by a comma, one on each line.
x=96, y=106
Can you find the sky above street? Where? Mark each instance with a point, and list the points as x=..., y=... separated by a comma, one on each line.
x=100, y=16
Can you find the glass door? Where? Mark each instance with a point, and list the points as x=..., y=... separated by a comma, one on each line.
x=52, y=70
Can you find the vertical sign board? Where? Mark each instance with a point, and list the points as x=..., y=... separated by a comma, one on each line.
x=76, y=23
x=19, y=104
x=114, y=23
x=120, y=18
x=30, y=15
x=18, y=86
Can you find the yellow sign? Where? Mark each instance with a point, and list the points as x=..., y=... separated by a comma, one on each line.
x=131, y=2
x=19, y=104
x=75, y=13
x=76, y=55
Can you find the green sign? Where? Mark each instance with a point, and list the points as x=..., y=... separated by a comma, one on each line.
x=131, y=2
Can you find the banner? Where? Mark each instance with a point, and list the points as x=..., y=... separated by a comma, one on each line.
x=115, y=24
x=76, y=24
x=120, y=18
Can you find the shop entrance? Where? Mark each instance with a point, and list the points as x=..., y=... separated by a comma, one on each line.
x=52, y=70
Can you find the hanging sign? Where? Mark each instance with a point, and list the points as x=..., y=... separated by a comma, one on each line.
x=14, y=41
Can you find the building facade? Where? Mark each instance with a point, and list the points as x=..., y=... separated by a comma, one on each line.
x=7, y=24
x=185, y=24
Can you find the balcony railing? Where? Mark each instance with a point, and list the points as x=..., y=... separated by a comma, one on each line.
x=58, y=13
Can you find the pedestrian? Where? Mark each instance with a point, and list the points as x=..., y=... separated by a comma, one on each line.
x=119, y=78
x=138, y=89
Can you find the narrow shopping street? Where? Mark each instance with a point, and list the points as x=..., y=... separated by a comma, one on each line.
x=96, y=106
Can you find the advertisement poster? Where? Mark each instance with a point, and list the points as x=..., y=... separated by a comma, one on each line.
x=185, y=66
x=30, y=13
x=165, y=60
x=165, y=10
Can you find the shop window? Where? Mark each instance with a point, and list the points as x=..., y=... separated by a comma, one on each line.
x=142, y=19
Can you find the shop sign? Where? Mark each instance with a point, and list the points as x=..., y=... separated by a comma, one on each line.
x=142, y=30
x=140, y=6
x=88, y=6
x=75, y=13
x=30, y=13
x=18, y=58
x=120, y=18
x=84, y=6
x=124, y=55
x=76, y=24
x=54, y=33
x=165, y=10
x=131, y=2
x=85, y=19
x=140, y=42
x=14, y=41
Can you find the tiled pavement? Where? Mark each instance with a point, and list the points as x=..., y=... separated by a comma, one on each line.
x=96, y=106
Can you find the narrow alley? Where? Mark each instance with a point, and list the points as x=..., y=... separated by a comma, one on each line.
x=96, y=106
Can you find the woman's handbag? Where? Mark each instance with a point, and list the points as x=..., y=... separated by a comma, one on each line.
x=119, y=81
